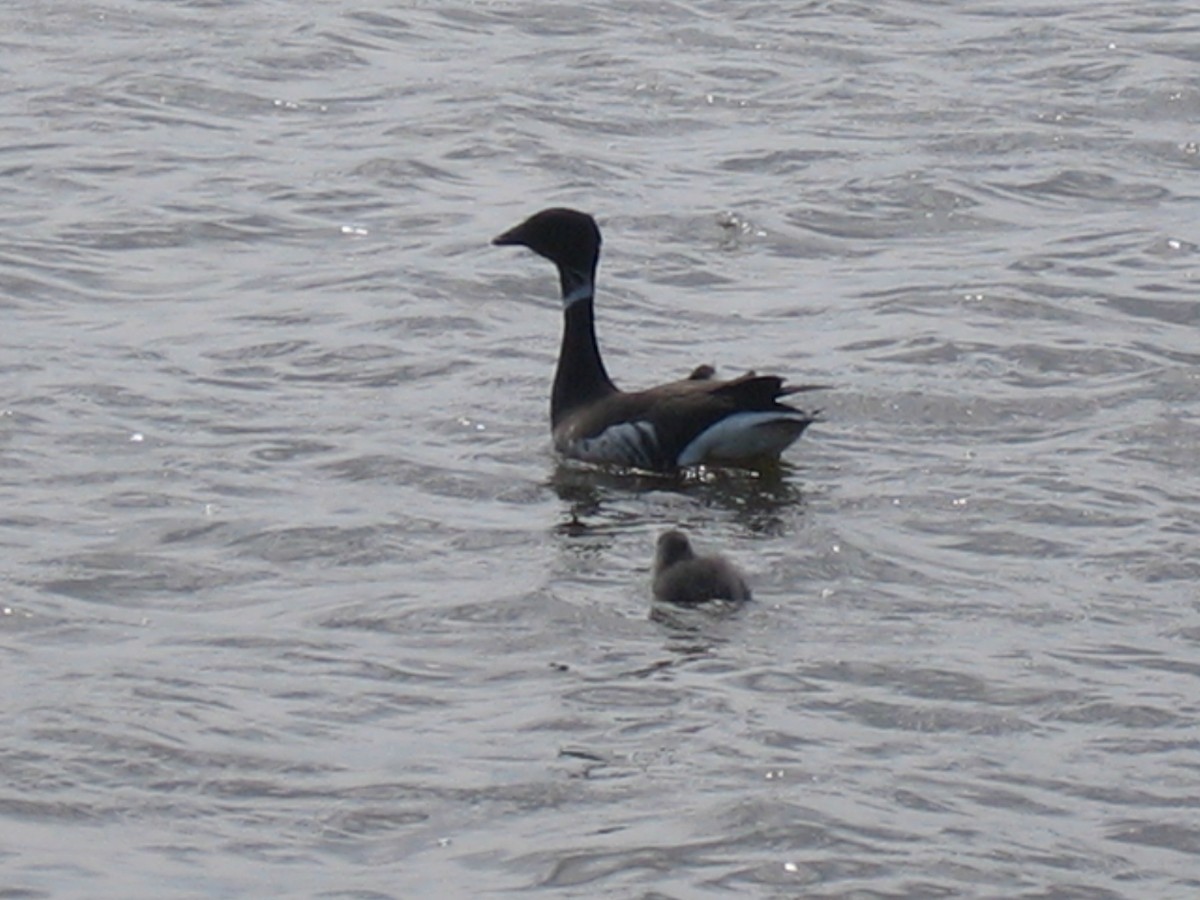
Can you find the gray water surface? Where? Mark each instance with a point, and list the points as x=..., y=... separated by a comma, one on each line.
x=298, y=601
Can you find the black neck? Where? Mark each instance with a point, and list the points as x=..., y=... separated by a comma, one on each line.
x=580, y=378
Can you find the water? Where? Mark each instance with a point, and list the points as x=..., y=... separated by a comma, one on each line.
x=298, y=601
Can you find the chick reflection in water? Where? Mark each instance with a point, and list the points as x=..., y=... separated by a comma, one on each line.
x=683, y=578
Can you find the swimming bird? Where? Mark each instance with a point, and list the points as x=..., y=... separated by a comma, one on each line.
x=680, y=576
x=698, y=420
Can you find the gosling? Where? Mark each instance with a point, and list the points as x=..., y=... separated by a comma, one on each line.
x=682, y=577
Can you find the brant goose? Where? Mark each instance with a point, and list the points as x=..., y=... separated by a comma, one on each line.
x=700, y=419
x=680, y=576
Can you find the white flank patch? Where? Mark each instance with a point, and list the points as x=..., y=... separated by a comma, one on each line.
x=627, y=444
x=747, y=435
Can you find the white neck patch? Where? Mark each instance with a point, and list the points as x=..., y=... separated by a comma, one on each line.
x=580, y=292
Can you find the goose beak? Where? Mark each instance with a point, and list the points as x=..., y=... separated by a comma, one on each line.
x=511, y=237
